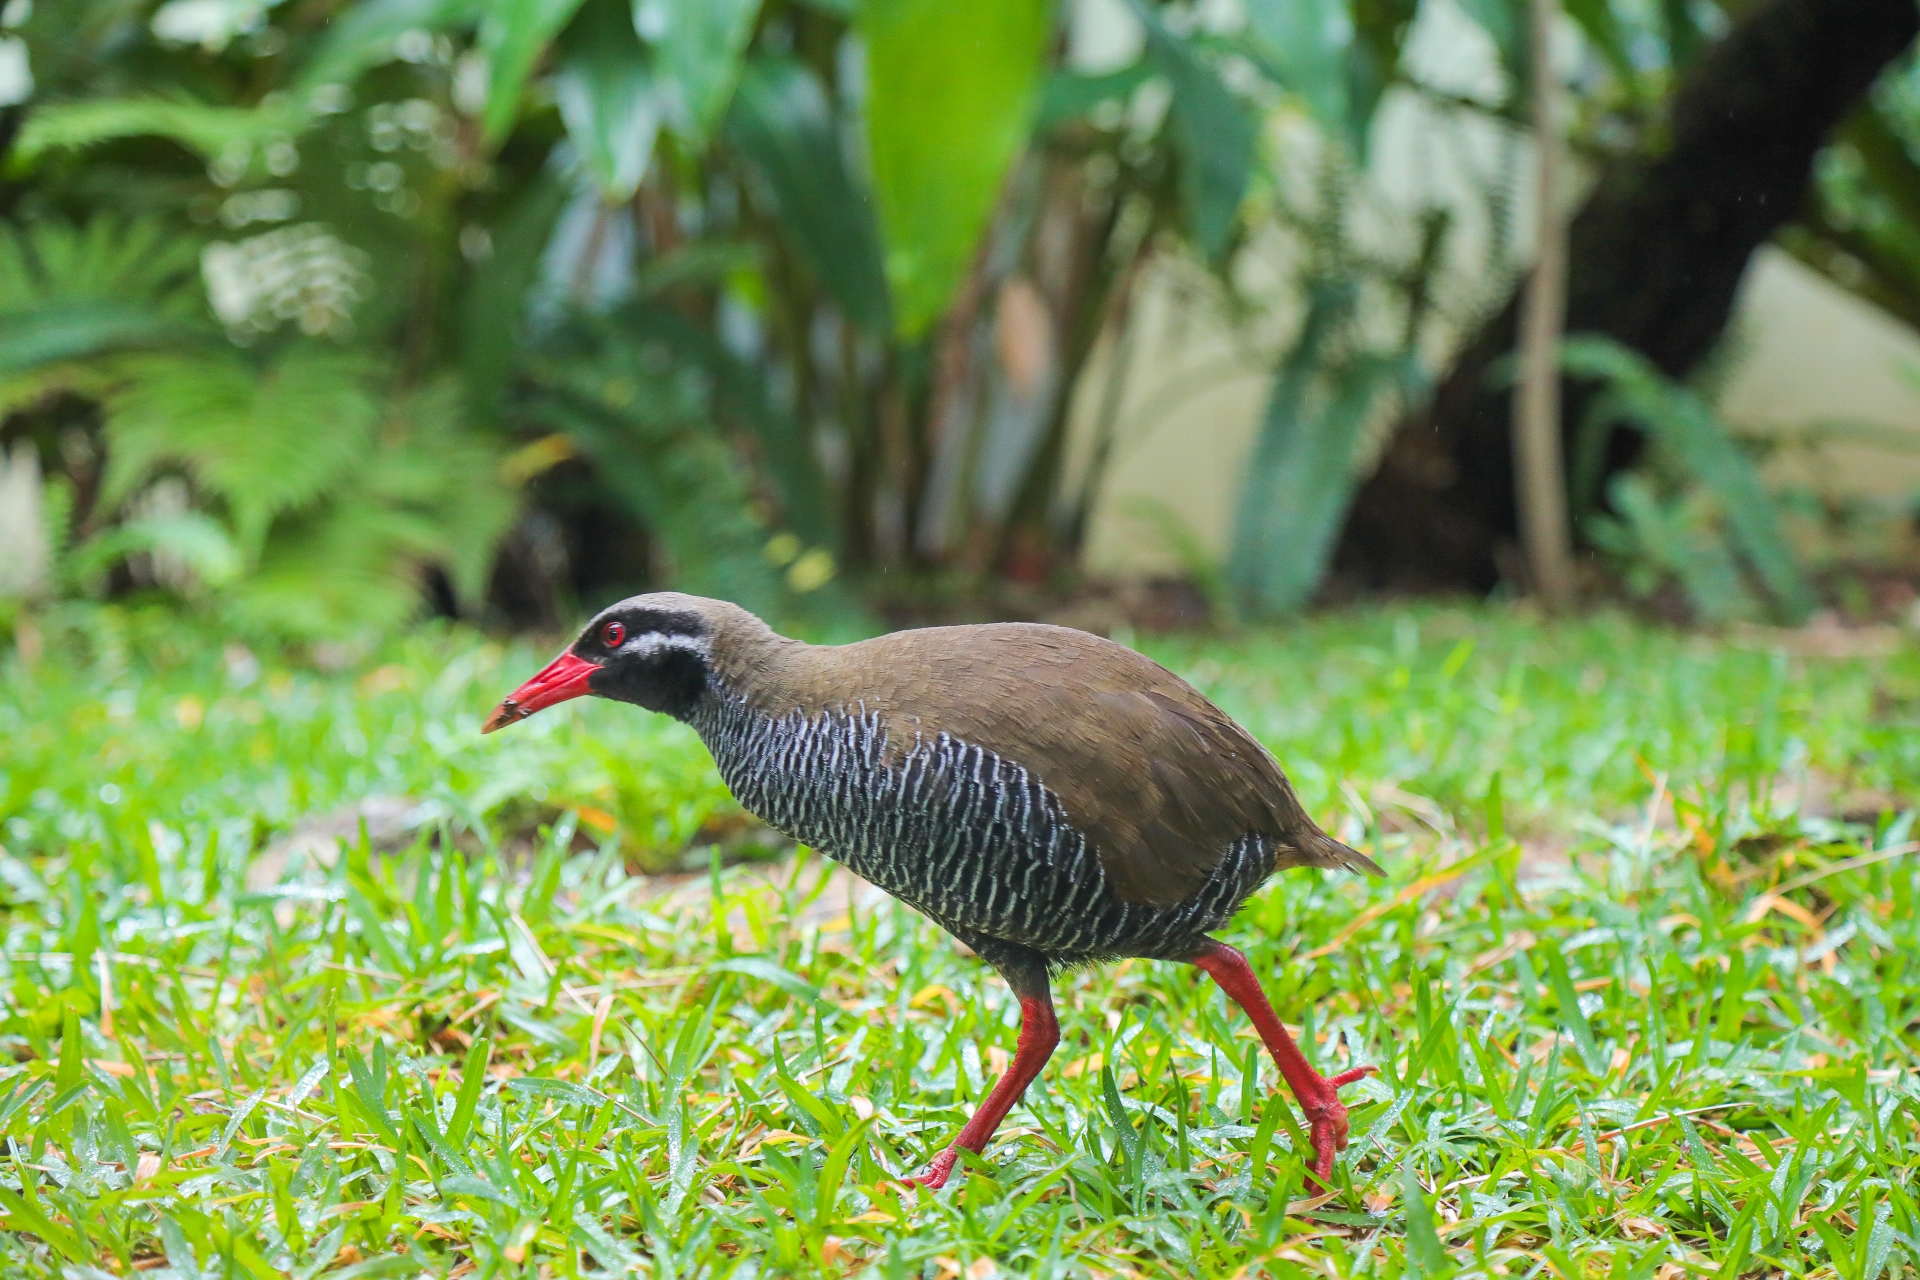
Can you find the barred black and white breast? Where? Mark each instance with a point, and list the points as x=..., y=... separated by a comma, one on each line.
x=969, y=838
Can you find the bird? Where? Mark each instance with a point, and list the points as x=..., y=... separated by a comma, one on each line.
x=1050, y=797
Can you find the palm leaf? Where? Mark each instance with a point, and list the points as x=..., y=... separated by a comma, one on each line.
x=1675, y=415
x=74, y=330
x=784, y=125
x=1307, y=44
x=69, y=292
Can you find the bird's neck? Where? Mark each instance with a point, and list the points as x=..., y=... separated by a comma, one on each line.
x=761, y=670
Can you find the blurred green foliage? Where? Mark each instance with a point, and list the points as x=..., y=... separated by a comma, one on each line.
x=754, y=297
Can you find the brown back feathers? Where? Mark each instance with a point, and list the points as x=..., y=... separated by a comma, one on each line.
x=1160, y=780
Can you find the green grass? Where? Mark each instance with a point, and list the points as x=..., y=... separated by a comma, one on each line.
x=1635, y=1011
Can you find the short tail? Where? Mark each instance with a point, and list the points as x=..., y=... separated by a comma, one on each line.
x=1315, y=848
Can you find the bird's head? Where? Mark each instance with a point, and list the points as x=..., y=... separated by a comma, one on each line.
x=654, y=651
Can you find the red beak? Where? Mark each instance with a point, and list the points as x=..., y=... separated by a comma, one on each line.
x=563, y=678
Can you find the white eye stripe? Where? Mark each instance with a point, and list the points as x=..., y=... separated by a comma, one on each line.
x=652, y=642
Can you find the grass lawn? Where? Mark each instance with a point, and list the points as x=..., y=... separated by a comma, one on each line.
x=1640, y=986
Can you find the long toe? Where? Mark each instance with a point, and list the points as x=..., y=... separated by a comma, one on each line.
x=1329, y=1134
x=1327, y=1116
x=935, y=1175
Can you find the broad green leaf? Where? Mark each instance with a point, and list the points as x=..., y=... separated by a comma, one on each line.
x=1601, y=27
x=608, y=96
x=782, y=122
x=1213, y=134
x=1685, y=36
x=699, y=44
x=513, y=35
x=1380, y=34
x=1306, y=42
x=366, y=35
x=951, y=93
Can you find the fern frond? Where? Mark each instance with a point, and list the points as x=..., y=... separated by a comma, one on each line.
x=195, y=125
x=263, y=440
x=22, y=390
x=193, y=538
x=70, y=292
x=353, y=565
x=104, y=258
x=440, y=467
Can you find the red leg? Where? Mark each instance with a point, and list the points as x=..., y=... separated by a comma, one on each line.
x=1316, y=1093
x=1039, y=1033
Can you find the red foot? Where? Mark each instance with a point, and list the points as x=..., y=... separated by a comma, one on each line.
x=1327, y=1121
x=935, y=1176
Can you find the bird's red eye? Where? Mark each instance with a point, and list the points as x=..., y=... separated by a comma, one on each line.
x=613, y=635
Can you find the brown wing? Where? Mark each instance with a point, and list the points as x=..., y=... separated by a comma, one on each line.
x=1160, y=779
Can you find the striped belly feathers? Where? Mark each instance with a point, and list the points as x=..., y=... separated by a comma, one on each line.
x=969, y=838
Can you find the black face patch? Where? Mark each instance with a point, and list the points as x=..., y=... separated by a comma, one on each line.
x=652, y=658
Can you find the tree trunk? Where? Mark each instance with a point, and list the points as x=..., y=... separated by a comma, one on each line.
x=1540, y=473
x=1657, y=253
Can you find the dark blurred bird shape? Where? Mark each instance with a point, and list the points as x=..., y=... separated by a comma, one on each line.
x=1047, y=796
